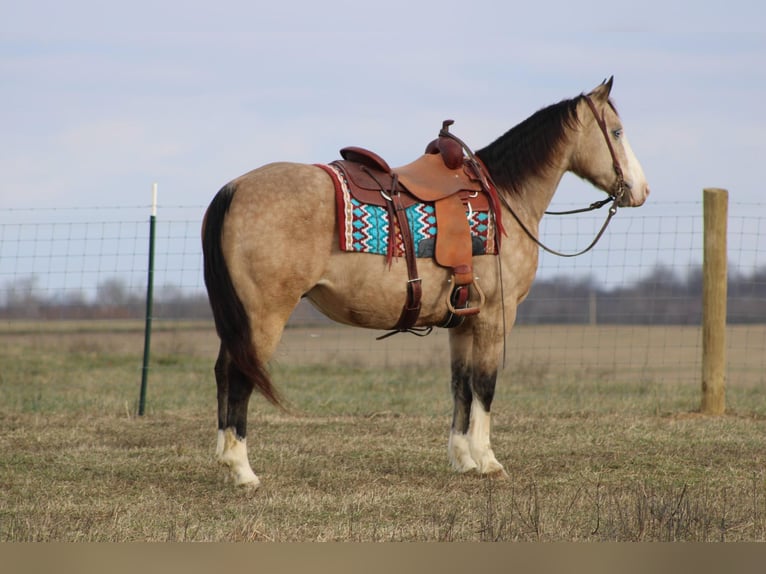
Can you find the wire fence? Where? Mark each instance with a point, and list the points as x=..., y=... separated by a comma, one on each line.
x=632, y=305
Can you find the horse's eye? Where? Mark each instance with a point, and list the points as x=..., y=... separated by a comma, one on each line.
x=617, y=133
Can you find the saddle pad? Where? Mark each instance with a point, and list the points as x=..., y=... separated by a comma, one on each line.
x=364, y=228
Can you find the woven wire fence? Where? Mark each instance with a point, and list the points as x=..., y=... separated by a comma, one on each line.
x=630, y=308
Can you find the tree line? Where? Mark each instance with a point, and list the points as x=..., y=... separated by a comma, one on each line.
x=664, y=296
x=661, y=297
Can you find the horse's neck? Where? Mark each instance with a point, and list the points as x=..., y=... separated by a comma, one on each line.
x=537, y=193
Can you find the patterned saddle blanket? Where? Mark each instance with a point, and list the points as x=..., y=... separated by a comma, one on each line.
x=365, y=228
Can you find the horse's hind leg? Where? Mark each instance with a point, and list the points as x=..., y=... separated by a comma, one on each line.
x=235, y=389
x=234, y=392
x=222, y=384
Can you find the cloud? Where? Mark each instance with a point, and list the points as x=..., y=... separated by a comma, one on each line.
x=113, y=97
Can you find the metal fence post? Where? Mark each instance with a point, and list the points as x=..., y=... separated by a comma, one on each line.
x=149, y=305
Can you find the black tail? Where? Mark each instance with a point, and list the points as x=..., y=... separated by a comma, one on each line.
x=231, y=319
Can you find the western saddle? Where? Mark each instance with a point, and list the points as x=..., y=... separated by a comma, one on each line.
x=448, y=176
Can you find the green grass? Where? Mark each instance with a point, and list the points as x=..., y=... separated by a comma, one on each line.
x=593, y=453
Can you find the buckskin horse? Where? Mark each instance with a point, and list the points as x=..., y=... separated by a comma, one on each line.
x=256, y=270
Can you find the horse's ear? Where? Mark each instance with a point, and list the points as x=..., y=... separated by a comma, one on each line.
x=603, y=90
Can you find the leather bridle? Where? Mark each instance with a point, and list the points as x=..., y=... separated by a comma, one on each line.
x=620, y=187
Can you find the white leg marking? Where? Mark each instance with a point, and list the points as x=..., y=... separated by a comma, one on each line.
x=233, y=454
x=219, y=445
x=478, y=441
x=460, y=452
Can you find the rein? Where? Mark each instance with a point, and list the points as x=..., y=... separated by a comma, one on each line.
x=612, y=212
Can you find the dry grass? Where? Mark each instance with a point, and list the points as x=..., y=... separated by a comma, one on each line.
x=593, y=452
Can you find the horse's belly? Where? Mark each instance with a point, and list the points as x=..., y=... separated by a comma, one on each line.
x=363, y=290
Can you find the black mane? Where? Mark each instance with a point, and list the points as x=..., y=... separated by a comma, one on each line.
x=529, y=146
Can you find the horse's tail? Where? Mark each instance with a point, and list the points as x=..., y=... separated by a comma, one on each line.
x=231, y=319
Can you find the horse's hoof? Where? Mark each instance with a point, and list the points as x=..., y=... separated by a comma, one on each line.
x=498, y=475
x=250, y=487
x=247, y=481
x=464, y=467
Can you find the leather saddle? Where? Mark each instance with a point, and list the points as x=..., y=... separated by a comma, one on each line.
x=444, y=177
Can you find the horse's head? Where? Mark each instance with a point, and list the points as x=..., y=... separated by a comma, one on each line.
x=604, y=156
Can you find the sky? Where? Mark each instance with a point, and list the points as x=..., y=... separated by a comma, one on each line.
x=100, y=100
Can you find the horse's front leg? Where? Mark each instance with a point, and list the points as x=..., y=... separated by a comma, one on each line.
x=483, y=387
x=474, y=374
x=461, y=344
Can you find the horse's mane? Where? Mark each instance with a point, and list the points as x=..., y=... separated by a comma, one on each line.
x=530, y=146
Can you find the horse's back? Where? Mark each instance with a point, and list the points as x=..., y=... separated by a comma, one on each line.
x=282, y=197
x=273, y=182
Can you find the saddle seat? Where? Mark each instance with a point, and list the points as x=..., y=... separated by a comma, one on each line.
x=428, y=179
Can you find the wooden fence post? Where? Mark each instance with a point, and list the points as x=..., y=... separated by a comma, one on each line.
x=715, y=210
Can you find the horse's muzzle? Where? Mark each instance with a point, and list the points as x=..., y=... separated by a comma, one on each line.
x=633, y=197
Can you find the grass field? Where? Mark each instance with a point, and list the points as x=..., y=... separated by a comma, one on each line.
x=599, y=445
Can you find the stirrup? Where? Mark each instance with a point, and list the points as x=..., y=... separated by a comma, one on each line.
x=467, y=310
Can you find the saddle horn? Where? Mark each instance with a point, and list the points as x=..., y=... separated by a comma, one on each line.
x=450, y=150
